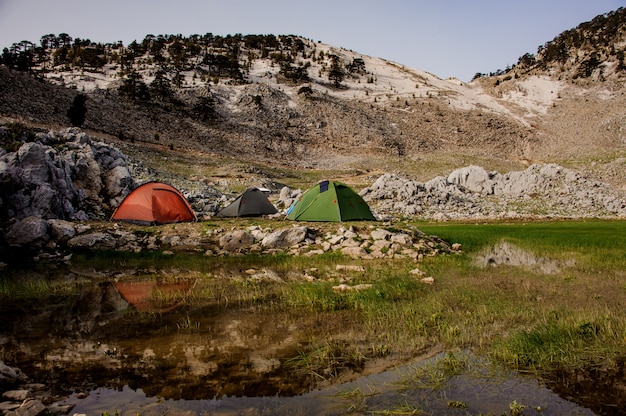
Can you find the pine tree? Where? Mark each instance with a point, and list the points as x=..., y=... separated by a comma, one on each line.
x=77, y=111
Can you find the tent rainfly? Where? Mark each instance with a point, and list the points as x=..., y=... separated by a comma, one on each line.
x=252, y=203
x=154, y=203
x=330, y=201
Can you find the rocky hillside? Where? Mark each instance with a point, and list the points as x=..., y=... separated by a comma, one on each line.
x=238, y=110
x=315, y=100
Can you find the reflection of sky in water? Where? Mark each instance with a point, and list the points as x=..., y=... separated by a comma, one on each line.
x=486, y=393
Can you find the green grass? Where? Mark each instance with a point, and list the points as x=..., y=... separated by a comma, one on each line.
x=539, y=321
x=515, y=315
x=557, y=236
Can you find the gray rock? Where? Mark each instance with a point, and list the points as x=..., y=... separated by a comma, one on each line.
x=61, y=230
x=31, y=231
x=76, y=181
x=402, y=239
x=32, y=407
x=93, y=241
x=118, y=182
x=7, y=373
x=17, y=395
x=285, y=237
x=473, y=179
x=236, y=240
x=380, y=234
x=356, y=252
x=472, y=192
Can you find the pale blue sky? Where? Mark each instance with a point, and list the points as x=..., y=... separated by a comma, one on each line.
x=445, y=37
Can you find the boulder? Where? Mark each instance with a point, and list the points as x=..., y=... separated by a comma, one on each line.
x=79, y=180
x=17, y=395
x=8, y=375
x=61, y=230
x=356, y=252
x=236, y=240
x=30, y=231
x=402, y=239
x=472, y=192
x=380, y=234
x=118, y=182
x=31, y=407
x=285, y=237
x=93, y=241
x=472, y=178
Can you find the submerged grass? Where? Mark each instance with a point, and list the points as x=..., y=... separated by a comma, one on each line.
x=516, y=315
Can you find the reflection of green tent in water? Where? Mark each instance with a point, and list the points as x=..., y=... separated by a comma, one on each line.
x=154, y=296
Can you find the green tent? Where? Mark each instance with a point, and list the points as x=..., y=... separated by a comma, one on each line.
x=330, y=201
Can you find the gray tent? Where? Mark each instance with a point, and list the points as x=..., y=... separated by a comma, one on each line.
x=252, y=203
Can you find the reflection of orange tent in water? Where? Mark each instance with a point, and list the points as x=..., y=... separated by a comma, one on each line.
x=154, y=296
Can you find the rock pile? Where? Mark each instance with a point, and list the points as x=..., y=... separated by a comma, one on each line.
x=473, y=193
x=68, y=175
x=64, y=175
x=21, y=397
x=57, y=239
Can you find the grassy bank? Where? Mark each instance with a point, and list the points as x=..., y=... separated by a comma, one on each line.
x=570, y=317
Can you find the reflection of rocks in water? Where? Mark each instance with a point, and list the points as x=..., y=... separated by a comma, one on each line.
x=96, y=336
x=507, y=254
x=597, y=388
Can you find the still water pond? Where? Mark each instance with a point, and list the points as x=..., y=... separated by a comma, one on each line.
x=153, y=347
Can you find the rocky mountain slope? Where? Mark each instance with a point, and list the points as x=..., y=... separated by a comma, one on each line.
x=240, y=110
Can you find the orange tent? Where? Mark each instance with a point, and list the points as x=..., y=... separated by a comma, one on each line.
x=154, y=203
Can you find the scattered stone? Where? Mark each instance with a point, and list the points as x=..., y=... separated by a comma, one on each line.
x=61, y=230
x=7, y=373
x=402, y=239
x=350, y=267
x=380, y=234
x=417, y=272
x=7, y=406
x=347, y=288
x=60, y=409
x=428, y=280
